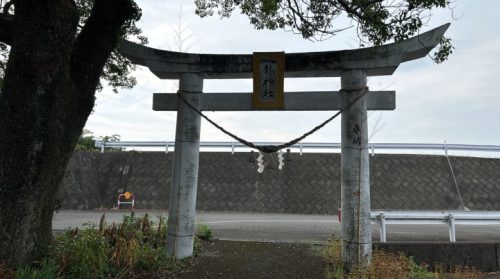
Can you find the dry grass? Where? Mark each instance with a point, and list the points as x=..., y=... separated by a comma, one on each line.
x=6, y=272
x=387, y=265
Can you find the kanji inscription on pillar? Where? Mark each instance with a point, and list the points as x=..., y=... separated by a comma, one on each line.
x=268, y=80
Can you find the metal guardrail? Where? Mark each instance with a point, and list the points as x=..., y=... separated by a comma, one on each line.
x=451, y=218
x=309, y=145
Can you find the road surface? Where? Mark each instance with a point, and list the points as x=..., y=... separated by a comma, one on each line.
x=285, y=227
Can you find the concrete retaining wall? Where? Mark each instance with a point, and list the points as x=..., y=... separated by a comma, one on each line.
x=483, y=256
x=308, y=184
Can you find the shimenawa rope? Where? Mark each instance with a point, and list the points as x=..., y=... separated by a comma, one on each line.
x=273, y=148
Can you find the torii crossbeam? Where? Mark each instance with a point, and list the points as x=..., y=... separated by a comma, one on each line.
x=353, y=66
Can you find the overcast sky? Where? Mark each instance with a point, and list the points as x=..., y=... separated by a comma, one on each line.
x=457, y=101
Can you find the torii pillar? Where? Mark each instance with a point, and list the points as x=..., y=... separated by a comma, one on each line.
x=353, y=66
x=355, y=174
x=182, y=204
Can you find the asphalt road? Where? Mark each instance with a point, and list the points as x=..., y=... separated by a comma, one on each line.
x=285, y=227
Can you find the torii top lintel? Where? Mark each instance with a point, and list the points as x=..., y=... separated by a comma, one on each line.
x=379, y=60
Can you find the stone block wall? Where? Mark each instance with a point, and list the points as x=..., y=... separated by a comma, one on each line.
x=309, y=183
x=80, y=187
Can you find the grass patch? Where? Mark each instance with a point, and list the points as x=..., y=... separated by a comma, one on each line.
x=133, y=247
x=391, y=266
x=204, y=232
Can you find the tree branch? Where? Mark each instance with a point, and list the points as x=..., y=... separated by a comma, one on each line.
x=353, y=11
x=6, y=28
x=94, y=44
x=7, y=6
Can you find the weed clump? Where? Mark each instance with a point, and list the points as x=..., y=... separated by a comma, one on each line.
x=203, y=232
x=390, y=266
x=133, y=247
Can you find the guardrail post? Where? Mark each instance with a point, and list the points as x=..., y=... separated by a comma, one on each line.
x=166, y=148
x=182, y=205
x=355, y=175
x=451, y=226
x=102, y=147
x=381, y=219
x=445, y=149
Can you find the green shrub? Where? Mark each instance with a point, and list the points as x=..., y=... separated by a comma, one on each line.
x=134, y=246
x=48, y=270
x=82, y=253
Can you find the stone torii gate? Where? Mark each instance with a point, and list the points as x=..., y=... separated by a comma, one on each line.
x=352, y=66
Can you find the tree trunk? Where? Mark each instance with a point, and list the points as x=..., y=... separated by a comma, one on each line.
x=46, y=98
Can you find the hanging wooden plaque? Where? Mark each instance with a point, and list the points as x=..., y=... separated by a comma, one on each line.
x=268, y=80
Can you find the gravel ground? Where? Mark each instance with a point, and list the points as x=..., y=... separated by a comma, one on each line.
x=246, y=259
